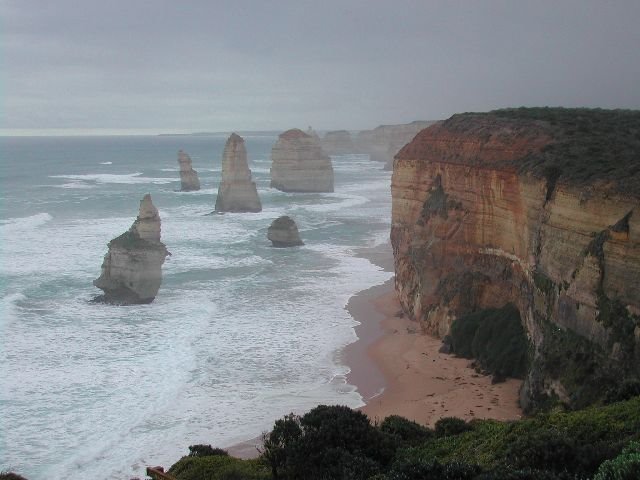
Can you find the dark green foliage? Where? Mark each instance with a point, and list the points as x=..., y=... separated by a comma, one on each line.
x=496, y=338
x=11, y=476
x=526, y=474
x=129, y=240
x=625, y=391
x=436, y=202
x=451, y=426
x=205, y=451
x=542, y=282
x=327, y=442
x=575, y=441
x=219, y=467
x=433, y=470
x=280, y=443
x=405, y=432
x=589, y=145
x=582, y=367
x=625, y=466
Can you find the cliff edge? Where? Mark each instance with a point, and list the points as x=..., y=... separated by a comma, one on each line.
x=539, y=208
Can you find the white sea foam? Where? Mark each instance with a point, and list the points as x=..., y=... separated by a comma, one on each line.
x=13, y=225
x=106, y=163
x=129, y=178
x=237, y=326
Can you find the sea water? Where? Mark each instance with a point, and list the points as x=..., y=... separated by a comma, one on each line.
x=240, y=333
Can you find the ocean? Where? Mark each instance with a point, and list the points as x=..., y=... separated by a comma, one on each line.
x=239, y=335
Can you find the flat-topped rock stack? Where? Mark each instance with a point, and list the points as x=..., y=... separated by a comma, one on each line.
x=283, y=232
x=237, y=192
x=299, y=164
x=132, y=268
x=189, y=181
x=338, y=142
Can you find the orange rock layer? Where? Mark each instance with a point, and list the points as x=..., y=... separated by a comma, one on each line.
x=469, y=231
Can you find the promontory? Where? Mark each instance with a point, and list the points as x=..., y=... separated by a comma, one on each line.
x=527, y=220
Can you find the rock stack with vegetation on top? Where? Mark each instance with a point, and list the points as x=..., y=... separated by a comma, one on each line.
x=132, y=268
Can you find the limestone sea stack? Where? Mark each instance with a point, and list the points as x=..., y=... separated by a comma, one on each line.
x=132, y=268
x=283, y=232
x=299, y=164
x=189, y=181
x=236, y=193
x=338, y=142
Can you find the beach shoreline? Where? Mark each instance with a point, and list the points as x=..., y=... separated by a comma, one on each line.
x=398, y=370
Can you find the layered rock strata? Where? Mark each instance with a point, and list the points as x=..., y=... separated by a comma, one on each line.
x=189, y=180
x=132, y=268
x=299, y=164
x=383, y=142
x=338, y=142
x=479, y=220
x=237, y=192
x=283, y=232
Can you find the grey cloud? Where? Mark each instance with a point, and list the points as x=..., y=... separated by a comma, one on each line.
x=223, y=65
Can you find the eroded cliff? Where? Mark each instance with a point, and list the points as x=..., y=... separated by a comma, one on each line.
x=236, y=192
x=509, y=207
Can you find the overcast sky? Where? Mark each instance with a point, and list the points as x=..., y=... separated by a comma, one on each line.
x=240, y=65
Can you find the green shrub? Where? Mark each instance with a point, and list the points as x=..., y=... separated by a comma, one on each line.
x=625, y=466
x=451, y=426
x=205, y=451
x=219, y=467
x=405, y=432
x=10, y=476
x=496, y=338
x=434, y=470
x=526, y=474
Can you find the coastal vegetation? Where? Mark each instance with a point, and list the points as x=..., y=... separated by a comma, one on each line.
x=590, y=145
x=495, y=338
x=336, y=442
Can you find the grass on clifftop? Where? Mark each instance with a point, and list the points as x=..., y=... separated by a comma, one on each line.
x=590, y=145
x=335, y=442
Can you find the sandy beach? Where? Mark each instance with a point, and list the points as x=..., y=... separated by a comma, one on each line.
x=399, y=371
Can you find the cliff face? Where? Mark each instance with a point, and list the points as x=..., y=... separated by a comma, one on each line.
x=299, y=164
x=383, y=142
x=338, y=142
x=236, y=193
x=472, y=229
x=189, y=180
x=132, y=268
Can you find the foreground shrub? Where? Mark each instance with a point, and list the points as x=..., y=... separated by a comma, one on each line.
x=11, y=476
x=625, y=466
x=205, y=451
x=419, y=470
x=526, y=474
x=219, y=467
x=494, y=337
x=451, y=426
x=405, y=432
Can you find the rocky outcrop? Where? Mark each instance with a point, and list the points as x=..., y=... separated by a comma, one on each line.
x=283, y=232
x=488, y=211
x=236, y=193
x=338, y=142
x=299, y=164
x=189, y=181
x=132, y=268
x=383, y=142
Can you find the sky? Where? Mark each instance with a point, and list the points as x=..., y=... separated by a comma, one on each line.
x=213, y=65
